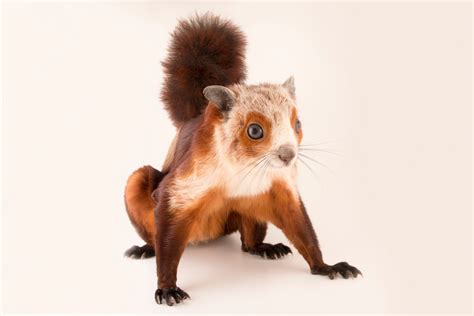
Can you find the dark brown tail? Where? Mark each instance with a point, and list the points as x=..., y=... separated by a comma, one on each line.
x=205, y=50
x=139, y=202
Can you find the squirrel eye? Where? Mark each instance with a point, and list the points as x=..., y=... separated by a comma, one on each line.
x=255, y=131
x=297, y=126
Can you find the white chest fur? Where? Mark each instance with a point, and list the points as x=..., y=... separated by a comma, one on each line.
x=234, y=180
x=256, y=178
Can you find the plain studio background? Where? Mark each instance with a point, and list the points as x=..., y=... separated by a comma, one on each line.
x=387, y=85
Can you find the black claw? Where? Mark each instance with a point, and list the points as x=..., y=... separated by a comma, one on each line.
x=286, y=249
x=269, y=251
x=176, y=297
x=355, y=272
x=342, y=268
x=280, y=250
x=168, y=300
x=183, y=294
x=158, y=296
x=143, y=252
x=171, y=296
x=130, y=252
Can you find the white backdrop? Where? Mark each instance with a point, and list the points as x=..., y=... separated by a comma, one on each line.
x=387, y=85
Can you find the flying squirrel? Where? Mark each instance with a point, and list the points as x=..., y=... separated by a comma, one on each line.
x=231, y=166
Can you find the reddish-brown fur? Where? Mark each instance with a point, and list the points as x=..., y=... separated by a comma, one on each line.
x=213, y=215
x=140, y=195
x=210, y=218
x=209, y=51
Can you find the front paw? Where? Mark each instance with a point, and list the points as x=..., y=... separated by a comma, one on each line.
x=269, y=251
x=343, y=268
x=171, y=296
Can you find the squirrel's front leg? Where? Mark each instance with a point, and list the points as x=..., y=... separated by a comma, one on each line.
x=298, y=228
x=171, y=239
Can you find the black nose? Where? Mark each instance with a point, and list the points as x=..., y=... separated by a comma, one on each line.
x=286, y=153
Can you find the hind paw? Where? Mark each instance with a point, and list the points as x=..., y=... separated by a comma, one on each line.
x=269, y=251
x=142, y=252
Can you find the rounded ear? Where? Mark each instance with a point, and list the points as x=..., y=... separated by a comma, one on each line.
x=221, y=96
x=289, y=85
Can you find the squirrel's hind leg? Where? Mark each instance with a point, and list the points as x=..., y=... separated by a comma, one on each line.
x=252, y=234
x=140, y=204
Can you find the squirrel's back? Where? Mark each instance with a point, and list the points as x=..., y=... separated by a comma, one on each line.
x=204, y=50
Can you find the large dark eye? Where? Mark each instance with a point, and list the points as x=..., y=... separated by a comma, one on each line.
x=255, y=131
x=297, y=126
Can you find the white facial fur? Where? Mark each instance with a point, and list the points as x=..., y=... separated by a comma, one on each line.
x=254, y=175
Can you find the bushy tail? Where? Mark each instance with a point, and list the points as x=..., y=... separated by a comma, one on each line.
x=205, y=50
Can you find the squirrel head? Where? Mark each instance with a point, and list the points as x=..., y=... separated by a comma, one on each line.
x=259, y=123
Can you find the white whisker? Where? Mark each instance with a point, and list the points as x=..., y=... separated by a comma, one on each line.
x=320, y=150
x=309, y=168
x=318, y=162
